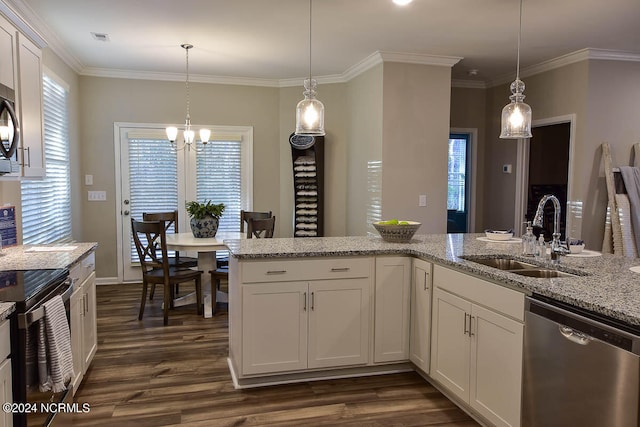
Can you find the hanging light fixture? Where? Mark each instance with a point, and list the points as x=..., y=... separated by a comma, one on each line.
x=516, y=116
x=310, y=111
x=188, y=133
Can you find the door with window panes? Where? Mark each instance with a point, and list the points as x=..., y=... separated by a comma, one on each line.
x=458, y=183
x=155, y=177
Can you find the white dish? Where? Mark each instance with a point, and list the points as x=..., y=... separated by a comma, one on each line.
x=576, y=249
x=511, y=240
x=498, y=235
x=635, y=269
x=585, y=254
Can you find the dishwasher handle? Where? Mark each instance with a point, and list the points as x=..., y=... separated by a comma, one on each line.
x=574, y=336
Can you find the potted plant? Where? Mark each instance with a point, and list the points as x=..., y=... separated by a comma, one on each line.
x=204, y=218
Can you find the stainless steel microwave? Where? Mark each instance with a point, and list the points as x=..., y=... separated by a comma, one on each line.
x=9, y=128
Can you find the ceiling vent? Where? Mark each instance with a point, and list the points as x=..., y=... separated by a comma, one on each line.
x=101, y=37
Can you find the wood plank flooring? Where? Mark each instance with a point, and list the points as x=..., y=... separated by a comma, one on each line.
x=147, y=374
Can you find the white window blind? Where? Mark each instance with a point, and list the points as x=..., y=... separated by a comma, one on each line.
x=46, y=204
x=219, y=179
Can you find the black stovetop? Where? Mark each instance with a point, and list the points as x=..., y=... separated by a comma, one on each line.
x=27, y=287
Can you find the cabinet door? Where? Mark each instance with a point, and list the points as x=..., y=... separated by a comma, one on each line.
x=31, y=108
x=420, y=340
x=274, y=327
x=90, y=335
x=450, y=343
x=496, y=366
x=339, y=322
x=7, y=53
x=77, y=333
x=392, y=309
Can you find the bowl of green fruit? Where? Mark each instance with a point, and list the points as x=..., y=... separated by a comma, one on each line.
x=396, y=231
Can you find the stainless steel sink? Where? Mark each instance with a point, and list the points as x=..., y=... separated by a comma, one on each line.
x=501, y=263
x=543, y=273
x=518, y=267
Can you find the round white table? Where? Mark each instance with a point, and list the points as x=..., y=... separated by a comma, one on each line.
x=206, y=249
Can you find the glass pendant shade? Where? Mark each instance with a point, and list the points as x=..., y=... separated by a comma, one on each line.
x=172, y=133
x=516, y=116
x=310, y=112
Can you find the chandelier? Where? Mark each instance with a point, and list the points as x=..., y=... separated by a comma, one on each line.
x=310, y=111
x=187, y=133
x=516, y=116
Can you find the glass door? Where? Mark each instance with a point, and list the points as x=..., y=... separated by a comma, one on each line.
x=458, y=183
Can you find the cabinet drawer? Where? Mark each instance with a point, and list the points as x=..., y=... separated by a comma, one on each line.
x=82, y=269
x=5, y=340
x=498, y=298
x=306, y=269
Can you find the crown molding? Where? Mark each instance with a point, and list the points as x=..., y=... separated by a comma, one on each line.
x=568, y=59
x=417, y=58
x=12, y=13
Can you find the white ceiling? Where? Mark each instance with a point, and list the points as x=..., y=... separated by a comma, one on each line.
x=269, y=39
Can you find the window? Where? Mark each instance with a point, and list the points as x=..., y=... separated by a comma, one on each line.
x=46, y=204
x=457, y=172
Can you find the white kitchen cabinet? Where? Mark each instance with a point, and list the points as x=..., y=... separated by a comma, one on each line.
x=298, y=314
x=84, y=337
x=476, y=347
x=30, y=107
x=6, y=395
x=392, y=309
x=8, y=34
x=288, y=326
x=420, y=325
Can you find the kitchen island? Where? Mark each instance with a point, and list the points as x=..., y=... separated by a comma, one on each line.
x=315, y=308
x=604, y=284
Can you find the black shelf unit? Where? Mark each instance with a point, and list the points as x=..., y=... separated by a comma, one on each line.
x=307, y=155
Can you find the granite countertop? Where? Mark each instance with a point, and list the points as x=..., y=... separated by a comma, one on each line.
x=6, y=308
x=604, y=284
x=35, y=257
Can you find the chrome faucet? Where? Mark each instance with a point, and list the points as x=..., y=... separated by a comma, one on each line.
x=557, y=248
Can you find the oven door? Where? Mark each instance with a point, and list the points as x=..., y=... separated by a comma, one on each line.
x=27, y=387
x=9, y=125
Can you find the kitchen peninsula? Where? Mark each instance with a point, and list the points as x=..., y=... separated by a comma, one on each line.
x=303, y=309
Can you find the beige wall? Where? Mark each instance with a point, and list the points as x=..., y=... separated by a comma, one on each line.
x=605, y=98
x=364, y=145
x=468, y=111
x=415, y=135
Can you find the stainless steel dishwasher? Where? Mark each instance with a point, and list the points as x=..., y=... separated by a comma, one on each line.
x=580, y=369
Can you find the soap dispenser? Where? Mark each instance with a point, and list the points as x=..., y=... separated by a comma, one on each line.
x=529, y=241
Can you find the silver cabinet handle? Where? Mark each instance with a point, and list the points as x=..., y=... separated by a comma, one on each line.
x=465, y=324
x=313, y=300
x=342, y=269
x=276, y=271
x=305, y=301
x=471, y=325
x=426, y=279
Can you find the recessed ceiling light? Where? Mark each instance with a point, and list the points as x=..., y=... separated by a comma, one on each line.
x=101, y=37
x=402, y=2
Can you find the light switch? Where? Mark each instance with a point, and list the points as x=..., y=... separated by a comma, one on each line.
x=422, y=200
x=97, y=196
x=88, y=180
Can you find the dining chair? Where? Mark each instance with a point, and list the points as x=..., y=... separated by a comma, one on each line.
x=245, y=216
x=261, y=227
x=170, y=218
x=258, y=228
x=148, y=237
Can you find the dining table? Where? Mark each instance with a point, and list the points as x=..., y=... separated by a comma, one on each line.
x=206, y=248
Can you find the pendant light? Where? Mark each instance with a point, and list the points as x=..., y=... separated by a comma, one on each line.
x=310, y=111
x=188, y=133
x=516, y=116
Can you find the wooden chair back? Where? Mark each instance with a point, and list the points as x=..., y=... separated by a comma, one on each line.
x=167, y=218
x=245, y=216
x=261, y=228
x=151, y=245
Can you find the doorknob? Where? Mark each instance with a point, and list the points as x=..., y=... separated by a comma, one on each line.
x=126, y=201
x=126, y=212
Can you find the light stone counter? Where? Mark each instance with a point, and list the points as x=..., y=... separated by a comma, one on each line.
x=35, y=257
x=604, y=284
x=6, y=308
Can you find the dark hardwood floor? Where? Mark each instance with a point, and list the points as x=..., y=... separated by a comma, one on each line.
x=147, y=374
